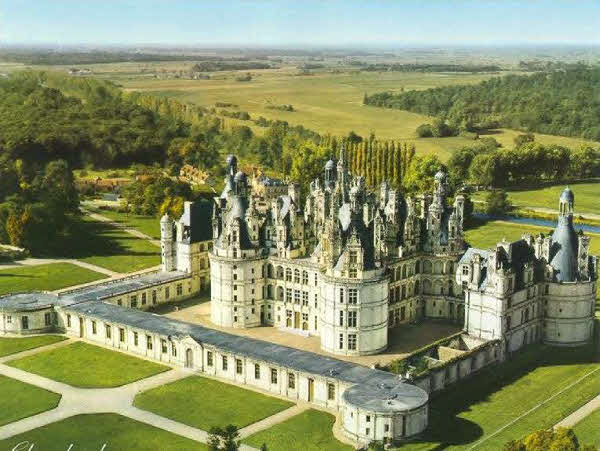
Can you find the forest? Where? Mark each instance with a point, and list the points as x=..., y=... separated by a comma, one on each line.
x=562, y=102
x=397, y=67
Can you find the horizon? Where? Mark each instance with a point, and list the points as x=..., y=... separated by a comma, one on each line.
x=313, y=23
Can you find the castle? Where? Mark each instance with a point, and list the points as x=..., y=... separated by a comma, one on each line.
x=345, y=266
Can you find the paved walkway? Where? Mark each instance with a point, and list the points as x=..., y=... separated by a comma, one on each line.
x=579, y=414
x=273, y=420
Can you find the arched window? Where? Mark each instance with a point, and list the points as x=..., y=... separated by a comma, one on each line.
x=270, y=271
x=404, y=272
x=296, y=275
x=280, y=293
x=398, y=274
x=427, y=267
x=416, y=287
x=280, y=272
x=288, y=274
x=417, y=267
x=427, y=286
x=305, y=277
x=438, y=268
x=437, y=287
x=269, y=291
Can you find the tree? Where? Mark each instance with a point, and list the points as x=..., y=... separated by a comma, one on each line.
x=525, y=138
x=559, y=439
x=224, y=439
x=420, y=172
x=424, y=131
x=497, y=203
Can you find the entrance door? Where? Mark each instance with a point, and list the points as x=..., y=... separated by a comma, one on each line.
x=81, y=327
x=297, y=320
x=189, y=358
x=311, y=390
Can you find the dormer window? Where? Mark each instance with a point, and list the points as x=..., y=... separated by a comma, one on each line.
x=465, y=270
x=353, y=257
x=352, y=273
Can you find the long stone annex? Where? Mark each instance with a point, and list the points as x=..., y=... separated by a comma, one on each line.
x=346, y=267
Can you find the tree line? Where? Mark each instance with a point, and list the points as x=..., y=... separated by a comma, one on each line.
x=562, y=102
x=398, y=67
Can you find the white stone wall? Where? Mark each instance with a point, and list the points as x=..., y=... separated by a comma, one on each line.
x=367, y=426
x=37, y=321
x=146, y=298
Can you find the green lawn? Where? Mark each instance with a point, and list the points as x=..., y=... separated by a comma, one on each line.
x=310, y=430
x=87, y=366
x=587, y=196
x=588, y=429
x=107, y=246
x=474, y=410
x=48, y=277
x=145, y=224
x=9, y=345
x=91, y=432
x=223, y=403
x=21, y=400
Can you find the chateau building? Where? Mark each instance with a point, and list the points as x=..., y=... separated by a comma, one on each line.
x=346, y=267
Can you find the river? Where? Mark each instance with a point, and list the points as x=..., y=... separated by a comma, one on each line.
x=537, y=222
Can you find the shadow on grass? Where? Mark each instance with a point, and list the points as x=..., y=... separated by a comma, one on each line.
x=92, y=239
x=447, y=429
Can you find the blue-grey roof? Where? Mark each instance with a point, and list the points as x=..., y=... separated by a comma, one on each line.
x=563, y=254
x=567, y=195
x=385, y=398
x=255, y=349
x=117, y=287
x=197, y=217
x=24, y=302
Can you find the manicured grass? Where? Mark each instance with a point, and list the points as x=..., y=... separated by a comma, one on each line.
x=145, y=224
x=87, y=366
x=223, y=403
x=48, y=277
x=474, y=410
x=587, y=197
x=487, y=234
x=91, y=432
x=21, y=400
x=588, y=429
x=9, y=345
x=310, y=430
x=108, y=247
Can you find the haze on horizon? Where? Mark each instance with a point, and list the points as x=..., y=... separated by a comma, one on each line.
x=299, y=23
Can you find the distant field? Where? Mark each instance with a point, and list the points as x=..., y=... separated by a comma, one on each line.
x=326, y=102
x=587, y=197
x=52, y=276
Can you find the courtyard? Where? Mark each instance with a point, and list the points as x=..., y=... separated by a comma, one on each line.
x=21, y=400
x=12, y=345
x=402, y=340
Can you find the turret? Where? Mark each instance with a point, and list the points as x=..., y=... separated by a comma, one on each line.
x=167, y=244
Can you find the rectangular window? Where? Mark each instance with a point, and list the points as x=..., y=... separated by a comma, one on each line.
x=288, y=295
x=135, y=338
x=179, y=289
x=48, y=319
x=163, y=346
x=352, y=342
x=134, y=301
x=119, y=302
x=9, y=319
x=341, y=317
x=352, y=273
x=143, y=298
x=225, y=363
x=167, y=293
x=25, y=322
x=154, y=296
x=353, y=257
x=465, y=270
x=305, y=298
x=173, y=350
x=68, y=320
x=238, y=366
x=292, y=381
x=341, y=341
x=108, y=331
x=368, y=418
x=341, y=295
x=273, y=376
x=351, y=319
x=330, y=392
x=122, y=335
x=209, y=358
x=94, y=327
x=256, y=371
x=297, y=296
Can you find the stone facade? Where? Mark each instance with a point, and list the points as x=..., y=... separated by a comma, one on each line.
x=346, y=267
x=538, y=289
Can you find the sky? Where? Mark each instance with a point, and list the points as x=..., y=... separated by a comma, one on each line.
x=299, y=22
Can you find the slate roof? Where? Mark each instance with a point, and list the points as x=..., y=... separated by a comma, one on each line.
x=197, y=218
x=278, y=355
x=563, y=254
x=27, y=302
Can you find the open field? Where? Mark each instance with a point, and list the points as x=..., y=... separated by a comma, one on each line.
x=471, y=415
x=87, y=366
x=48, y=277
x=10, y=345
x=108, y=247
x=587, y=197
x=226, y=404
x=307, y=431
x=145, y=224
x=21, y=400
x=326, y=102
x=588, y=429
x=91, y=432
